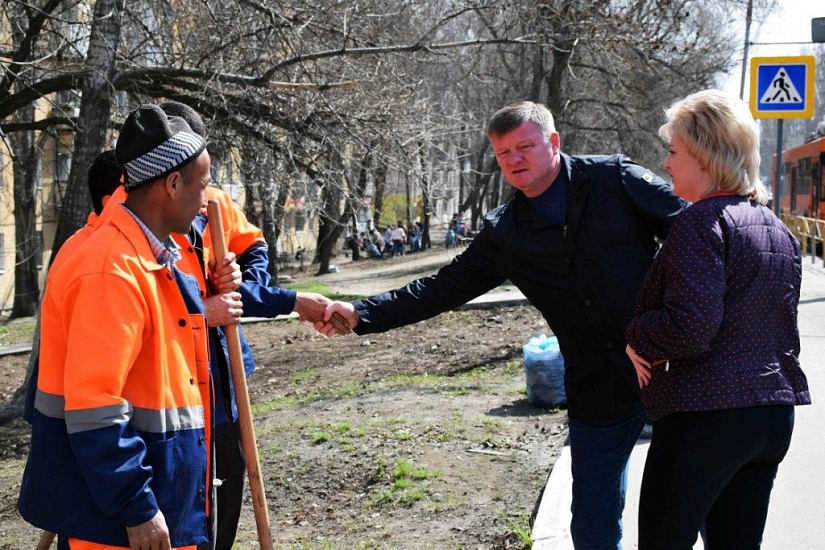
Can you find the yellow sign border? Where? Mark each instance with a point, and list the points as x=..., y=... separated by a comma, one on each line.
x=809, y=61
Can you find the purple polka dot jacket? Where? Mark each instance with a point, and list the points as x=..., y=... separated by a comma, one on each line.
x=719, y=304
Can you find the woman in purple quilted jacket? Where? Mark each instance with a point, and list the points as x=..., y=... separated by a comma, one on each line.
x=715, y=341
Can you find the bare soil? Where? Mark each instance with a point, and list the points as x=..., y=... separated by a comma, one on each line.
x=421, y=437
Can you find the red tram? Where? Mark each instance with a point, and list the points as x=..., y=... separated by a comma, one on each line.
x=803, y=179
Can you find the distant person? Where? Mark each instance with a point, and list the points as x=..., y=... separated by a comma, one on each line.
x=388, y=241
x=414, y=237
x=378, y=240
x=370, y=247
x=450, y=239
x=715, y=341
x=576, y=238
x=399, y=237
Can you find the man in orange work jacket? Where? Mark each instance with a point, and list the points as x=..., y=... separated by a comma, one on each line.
x=119, y=441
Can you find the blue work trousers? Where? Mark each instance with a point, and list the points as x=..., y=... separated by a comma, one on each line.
x=599, y=456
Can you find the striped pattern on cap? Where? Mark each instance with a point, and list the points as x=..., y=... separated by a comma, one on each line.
x=163, y=159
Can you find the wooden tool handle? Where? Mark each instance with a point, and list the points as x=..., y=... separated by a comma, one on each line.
x=341, y=326
x=45, y=541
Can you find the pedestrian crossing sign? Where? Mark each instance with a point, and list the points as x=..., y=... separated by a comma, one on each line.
x=782, y=87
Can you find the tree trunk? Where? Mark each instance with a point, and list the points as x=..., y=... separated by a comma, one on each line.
x=269, y=200
x=425, y=200
x=95, y=115
x=264, y=204
x=26, y=175
x=380, y=184
x=330, y=221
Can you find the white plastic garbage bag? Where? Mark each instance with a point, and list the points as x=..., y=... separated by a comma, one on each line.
x=544, y=371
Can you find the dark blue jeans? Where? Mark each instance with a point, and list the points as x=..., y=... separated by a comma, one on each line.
x=599, y=456
x=714, y=469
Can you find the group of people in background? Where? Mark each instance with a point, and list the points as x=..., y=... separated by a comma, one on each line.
x=698, y=336
x=389, y=243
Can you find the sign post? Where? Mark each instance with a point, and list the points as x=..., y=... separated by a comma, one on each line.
x=782, y=87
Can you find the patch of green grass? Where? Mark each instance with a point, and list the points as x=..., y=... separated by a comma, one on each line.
x=400, y=484
x=402, y=435
x=18, y=331
x=304, y=375
x=521, y=527
x=424, y=473
x=402, y=469
x=414, y=493
x=512, y=367
x=320, y=436
x=404, y=488
x=311, y=285
x=343, y=427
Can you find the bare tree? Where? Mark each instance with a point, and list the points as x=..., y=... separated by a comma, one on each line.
x=95, y=114
x=25, y=24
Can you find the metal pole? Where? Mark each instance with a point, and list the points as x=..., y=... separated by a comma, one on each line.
x=777, y=193
x=748, y=19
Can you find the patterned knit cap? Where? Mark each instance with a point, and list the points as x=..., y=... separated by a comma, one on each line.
x=152, y=145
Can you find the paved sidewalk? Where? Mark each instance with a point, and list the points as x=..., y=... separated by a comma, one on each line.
x=796, y=519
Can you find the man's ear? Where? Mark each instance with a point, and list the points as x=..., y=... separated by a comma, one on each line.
x=555, y=141
x=172, y=182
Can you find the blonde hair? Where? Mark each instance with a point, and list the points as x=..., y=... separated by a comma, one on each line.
x=721, y=134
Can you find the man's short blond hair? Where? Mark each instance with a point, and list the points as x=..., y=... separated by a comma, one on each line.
x=509, y=118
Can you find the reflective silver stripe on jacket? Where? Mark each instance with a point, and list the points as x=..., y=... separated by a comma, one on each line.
x=145, y=420
x=168, y=420
x=83, y=420
x=49, y=404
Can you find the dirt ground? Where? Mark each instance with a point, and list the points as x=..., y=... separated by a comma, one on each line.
x=417, y=438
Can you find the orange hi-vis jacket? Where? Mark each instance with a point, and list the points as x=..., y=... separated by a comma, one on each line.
x=123, y=394
x=247, y=242
x=72, y=243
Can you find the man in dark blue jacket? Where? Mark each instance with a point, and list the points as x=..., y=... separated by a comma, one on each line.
x=576, y=238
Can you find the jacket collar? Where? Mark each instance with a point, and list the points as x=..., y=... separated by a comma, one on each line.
x=129, y=228
x=576, y=196
x=577, y=191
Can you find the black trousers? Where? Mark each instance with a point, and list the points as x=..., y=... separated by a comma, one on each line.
x=712, y=471
x=231, y=470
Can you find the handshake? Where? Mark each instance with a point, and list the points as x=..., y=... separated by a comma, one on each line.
x=327, y=316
